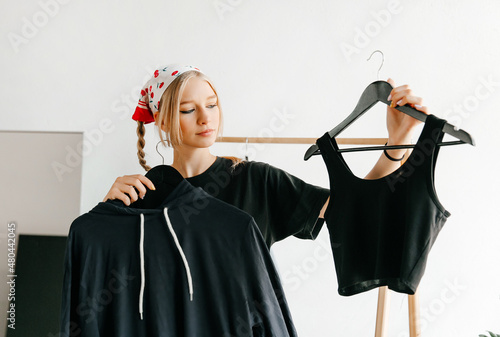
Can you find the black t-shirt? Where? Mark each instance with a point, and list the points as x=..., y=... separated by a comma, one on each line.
x=281, y=204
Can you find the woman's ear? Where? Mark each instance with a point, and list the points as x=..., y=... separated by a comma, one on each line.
x=156, y=117
x=157, y=120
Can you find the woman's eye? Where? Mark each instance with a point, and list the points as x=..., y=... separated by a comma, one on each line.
x=187, y=111
x=211, y=106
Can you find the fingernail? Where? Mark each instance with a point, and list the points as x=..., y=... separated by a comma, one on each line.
x=390, y=97
x=418, y=106
x=153, y=188
x=399, y=102
x=142, y=196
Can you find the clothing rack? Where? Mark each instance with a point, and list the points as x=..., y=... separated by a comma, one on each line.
x=293, y=140
x=383, y=292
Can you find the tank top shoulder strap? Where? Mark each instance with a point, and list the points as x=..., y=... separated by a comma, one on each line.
x=432, y=132
x=424, y=156
x=426, y=148
x=337, y=168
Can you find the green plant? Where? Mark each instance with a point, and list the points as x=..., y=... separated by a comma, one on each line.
x=491, y=334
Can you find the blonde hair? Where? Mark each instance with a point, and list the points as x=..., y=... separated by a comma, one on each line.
x=169, y=116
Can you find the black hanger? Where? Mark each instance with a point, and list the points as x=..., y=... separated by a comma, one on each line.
x=378, y=91
x=165, y=178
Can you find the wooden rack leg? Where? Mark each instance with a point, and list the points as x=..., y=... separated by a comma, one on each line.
x=382, y=308
x=414, y=314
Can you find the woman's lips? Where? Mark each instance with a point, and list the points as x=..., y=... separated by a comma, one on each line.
x=206, y=133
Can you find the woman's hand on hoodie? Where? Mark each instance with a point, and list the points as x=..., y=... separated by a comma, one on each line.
x=129, y=188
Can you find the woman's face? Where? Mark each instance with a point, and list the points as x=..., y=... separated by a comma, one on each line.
x=198, y=114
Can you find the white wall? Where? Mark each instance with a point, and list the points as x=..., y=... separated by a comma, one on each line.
x=82, y=67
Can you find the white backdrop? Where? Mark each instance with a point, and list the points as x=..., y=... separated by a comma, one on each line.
x=71, y=65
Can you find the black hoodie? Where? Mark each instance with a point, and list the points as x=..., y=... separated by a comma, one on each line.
x=195, y=266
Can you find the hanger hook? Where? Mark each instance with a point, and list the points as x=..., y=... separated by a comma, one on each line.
x=378, y=71
x=246, y=149
x=162, y=159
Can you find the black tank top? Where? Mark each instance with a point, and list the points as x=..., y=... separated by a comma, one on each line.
x=381, y=230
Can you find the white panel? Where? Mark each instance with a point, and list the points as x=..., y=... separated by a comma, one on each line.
x=41, y=187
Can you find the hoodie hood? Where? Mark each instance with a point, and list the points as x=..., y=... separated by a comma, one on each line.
x=184, y=194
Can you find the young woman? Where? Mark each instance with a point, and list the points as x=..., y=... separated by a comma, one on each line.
x=184, y=106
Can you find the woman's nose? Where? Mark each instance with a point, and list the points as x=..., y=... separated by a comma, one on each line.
x=204, y=116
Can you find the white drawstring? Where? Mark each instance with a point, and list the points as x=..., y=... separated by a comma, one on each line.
x=179, y=248
x=181, y=252
x=143, y=276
